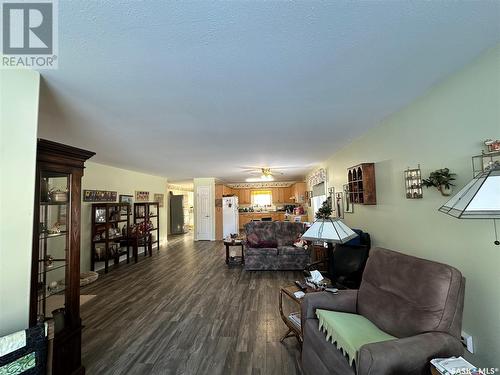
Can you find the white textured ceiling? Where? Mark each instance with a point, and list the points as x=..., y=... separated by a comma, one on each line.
x=198, y=89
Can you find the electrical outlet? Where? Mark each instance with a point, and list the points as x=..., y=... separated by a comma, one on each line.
x=467, y=341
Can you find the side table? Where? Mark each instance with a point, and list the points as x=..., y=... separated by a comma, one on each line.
x=294, y=327
x=236, y=260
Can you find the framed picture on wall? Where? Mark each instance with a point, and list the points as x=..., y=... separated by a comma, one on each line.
x=339, y=205
x=141, y=196
x=331, y=200
x=348, y=206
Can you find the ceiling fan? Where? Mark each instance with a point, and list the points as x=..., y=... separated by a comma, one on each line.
x=264, y=173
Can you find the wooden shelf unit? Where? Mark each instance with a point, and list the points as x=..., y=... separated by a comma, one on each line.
x=112, y=214
x=145, y=212
x=55, y=270
x=361, y=182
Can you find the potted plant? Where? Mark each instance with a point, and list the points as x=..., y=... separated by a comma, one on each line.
x=325, y=211
x=440, y=179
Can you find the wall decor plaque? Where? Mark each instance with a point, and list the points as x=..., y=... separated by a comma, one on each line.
x=99, y=196
x=158, y=198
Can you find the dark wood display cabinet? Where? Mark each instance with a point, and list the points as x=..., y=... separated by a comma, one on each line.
x=110, y=233
x=148, y=215
x=361, y=183
x=55, y=271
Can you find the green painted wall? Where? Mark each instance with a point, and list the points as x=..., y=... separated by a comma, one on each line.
x=444, y=128
x=123, y=181
x=19, y=91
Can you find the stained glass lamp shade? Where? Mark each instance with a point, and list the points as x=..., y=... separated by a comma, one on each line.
x=329, y=230
x=479, y=199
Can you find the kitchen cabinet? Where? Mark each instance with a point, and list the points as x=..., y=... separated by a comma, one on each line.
x=278, y=196
x=287, y=195
x=299, y=192
x=282, y=195
x=227, y=191
x=244, y=218
x=244, y=196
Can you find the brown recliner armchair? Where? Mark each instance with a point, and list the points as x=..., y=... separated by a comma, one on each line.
x=418, y=301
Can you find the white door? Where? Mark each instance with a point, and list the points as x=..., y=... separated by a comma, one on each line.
x=203, y=219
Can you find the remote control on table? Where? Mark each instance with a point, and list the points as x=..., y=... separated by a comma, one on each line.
x=300, y=285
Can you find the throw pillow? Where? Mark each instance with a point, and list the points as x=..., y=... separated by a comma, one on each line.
x=254, y=241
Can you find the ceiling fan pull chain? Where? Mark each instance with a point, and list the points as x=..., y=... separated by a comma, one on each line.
x=496, y=232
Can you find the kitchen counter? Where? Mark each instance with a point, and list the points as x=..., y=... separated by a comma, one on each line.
x=246, y=217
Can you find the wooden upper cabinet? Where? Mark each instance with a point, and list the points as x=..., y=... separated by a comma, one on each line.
x=278, y=195
x=244, y=196
x=299, y=192
x=287, y=195
x=227, y=191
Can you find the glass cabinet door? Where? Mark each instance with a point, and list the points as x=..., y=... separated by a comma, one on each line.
x=53, y=244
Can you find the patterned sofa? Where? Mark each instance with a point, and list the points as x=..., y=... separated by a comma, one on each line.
x=269, y=246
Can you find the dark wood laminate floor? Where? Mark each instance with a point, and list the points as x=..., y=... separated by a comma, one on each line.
x=184, y=312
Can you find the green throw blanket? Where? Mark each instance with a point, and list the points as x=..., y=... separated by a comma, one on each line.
x=349, y=331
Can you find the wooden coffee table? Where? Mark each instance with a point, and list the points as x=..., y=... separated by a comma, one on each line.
x=294, y=330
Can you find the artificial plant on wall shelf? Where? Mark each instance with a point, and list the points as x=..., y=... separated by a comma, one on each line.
x=440, y=179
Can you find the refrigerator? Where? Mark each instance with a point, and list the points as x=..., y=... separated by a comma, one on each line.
x=230, y=216
x=176, y=214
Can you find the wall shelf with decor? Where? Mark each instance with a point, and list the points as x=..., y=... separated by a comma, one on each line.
x=147, y=213
x=55, y=270
x=483, y=161
x=361, y=184
x=110, y=233
x=413, y=183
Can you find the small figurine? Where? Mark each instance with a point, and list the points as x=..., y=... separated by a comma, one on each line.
x=56, y=228
x=492, y=145
x=49, y=260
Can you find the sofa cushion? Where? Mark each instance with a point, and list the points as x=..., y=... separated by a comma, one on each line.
x=268, y=251
x=405, y=295
x=287, y=232
x=292, y=250
x=349, y=332
x=257, y=231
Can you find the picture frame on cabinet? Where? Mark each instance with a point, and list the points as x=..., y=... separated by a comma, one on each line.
x=348, y=206
x=124, y=198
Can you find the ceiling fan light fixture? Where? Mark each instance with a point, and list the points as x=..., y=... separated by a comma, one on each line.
x=260, y=179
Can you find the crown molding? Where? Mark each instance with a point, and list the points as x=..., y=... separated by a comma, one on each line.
x=258, y=185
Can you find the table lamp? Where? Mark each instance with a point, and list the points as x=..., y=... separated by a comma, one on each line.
x=479, y=199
